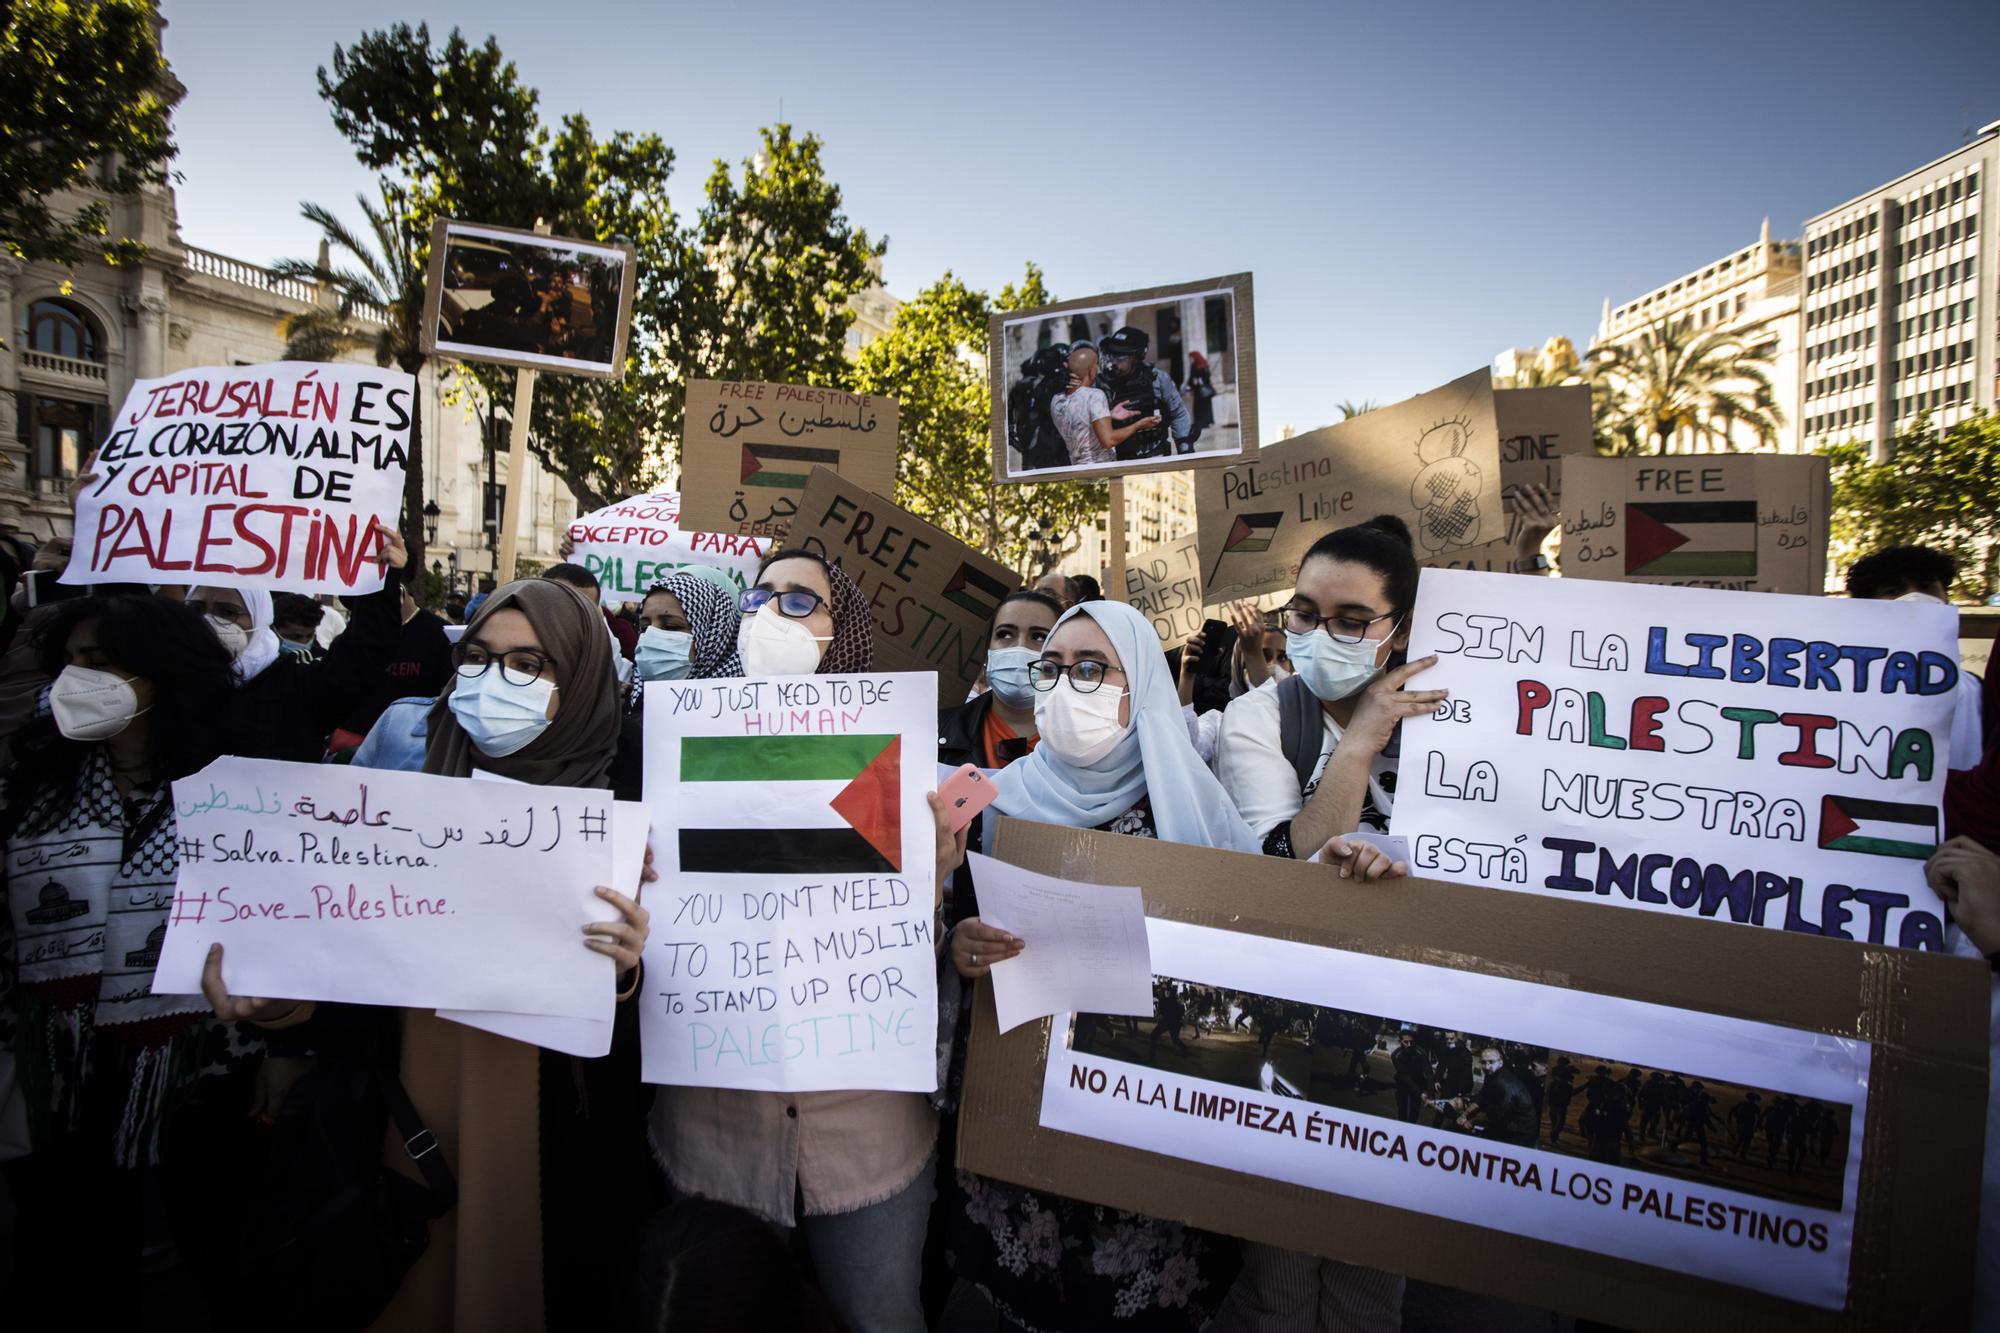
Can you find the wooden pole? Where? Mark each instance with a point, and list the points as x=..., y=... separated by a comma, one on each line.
x=1115, y=541
x=517, y=475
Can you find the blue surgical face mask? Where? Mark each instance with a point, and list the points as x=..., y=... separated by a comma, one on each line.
x=1007, y=671
x=665, y=654
x=287, y=646
x=500, y=716
x=1332, y=670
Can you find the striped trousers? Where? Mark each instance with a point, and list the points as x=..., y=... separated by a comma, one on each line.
x=1283, y=1291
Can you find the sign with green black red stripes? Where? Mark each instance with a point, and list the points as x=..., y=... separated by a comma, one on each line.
x=747, y=450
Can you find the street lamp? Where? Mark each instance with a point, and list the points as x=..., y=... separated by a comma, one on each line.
x=430, y=522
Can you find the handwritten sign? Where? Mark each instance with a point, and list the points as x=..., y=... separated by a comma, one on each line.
x=1747, y=523
x=1164, y=585
x=249, y=477
x=376, y=887
x=748, y=449
x=635, y=543
x=1433, y=460
x=932, y=596
x=1538, y=429
x=1771, y=760
x=793, y=943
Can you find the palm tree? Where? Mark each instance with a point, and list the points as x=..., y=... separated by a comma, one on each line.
x=1673, y=386
x=1350, y=410
x=377, y=291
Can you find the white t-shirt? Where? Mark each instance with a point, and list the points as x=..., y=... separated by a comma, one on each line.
x=1250, y=761
x=1074, y=413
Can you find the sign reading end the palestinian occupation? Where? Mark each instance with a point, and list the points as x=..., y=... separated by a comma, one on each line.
x=249, y=477
x=1739, y=756
x=635, y=543
x=793, y=944
x=1164, y=585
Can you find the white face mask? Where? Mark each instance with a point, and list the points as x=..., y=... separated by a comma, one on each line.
x=665, y=654
x=776, y=645
x=92, y=705
x=1332, y=670
x=232, y=636
x=499, y=716
x=1923, y=597
x=1079, y=728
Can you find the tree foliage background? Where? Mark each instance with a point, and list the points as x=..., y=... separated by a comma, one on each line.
x=1936, y=488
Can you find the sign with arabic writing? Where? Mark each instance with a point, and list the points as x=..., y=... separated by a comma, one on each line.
x=1743, y=522
x=747, y=449
x=376, y=887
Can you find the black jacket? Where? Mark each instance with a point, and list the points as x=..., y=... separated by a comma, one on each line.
x=1413, y=1068
x=286, y=710
x=960, y=742
x=1509, y=1107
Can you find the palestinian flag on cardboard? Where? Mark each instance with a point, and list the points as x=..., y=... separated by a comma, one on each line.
x=1691, y=538
x=840, y=798
x=1248, y=535
x=1880, y=828
x=786, y=466
x=976, y=592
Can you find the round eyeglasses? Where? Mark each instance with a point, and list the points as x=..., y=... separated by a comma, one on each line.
x=522, y=666
x=1084, y=677
x=795, y=605
x=1340, y=628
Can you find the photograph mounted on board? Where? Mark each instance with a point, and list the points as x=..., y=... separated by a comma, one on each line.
x=1144, y=381
x=518, y=298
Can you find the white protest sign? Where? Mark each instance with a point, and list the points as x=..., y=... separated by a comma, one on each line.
x=1290, y=1105
x=375, y=887
x=635, y=543
x=248, y=477
x=793, y=943
x=1751, y=757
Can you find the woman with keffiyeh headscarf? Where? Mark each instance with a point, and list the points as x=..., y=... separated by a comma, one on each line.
x=687, y=631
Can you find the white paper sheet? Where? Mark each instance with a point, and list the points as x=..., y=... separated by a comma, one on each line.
x=1085, y=948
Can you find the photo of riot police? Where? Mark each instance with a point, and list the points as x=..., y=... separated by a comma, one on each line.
x=1701, y=1130
x=1124, y=386
x=522, y=299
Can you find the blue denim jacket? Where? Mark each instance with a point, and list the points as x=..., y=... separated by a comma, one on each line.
x=396, y=741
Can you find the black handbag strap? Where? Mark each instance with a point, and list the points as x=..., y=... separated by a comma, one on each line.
x=419, y=1143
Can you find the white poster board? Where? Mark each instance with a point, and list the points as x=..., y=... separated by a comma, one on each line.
x=635, y=543
x=793, y=944
x=1750, y=757
x=248, y=477
x=329, y=883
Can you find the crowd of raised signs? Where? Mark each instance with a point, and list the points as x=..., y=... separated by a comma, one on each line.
x=230, y=1161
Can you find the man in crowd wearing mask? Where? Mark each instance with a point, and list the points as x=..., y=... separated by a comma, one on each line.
x=1135, y=385
x=296, y=621
x=1924, y=575
x=624, y=639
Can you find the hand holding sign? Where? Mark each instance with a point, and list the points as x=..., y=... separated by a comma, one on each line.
x=1385, y=704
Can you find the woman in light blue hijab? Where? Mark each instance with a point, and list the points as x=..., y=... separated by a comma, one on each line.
x=1114, y=754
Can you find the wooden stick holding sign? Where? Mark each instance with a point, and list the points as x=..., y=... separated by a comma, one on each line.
x=1115, y=540
x=517, y=466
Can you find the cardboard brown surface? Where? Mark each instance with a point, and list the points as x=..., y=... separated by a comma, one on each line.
x=448, y=235
x=1432, y=460
x=1538, y=429
x=1164, y=585
x=1762, y=521
x=1917, y=1208
x=743, y=443
x=1242, y=350
x=1495, y=557
x=931, y=594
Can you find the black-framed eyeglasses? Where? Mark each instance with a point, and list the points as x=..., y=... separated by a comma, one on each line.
x=235, y=615
x=1084, y=677
x=795, y=605
x=1340, y=628
x=522, y=666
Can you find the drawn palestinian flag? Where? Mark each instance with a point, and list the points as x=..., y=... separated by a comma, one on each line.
x=840, y=797
x=1692, y=538
x=975, y=591
x=785, y=466
x=1880, y=828
x=1248, y=535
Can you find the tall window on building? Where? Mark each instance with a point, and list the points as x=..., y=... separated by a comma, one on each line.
x=65, y=329
x=57, y=433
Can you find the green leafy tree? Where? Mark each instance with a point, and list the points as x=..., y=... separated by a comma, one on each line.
x=1674, y=385
x=932, y=361
x=84, y=101
x=1936, y=488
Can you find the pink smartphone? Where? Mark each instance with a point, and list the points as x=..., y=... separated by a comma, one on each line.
x=965, y=793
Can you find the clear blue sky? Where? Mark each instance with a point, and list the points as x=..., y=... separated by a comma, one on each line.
x=1415, y=186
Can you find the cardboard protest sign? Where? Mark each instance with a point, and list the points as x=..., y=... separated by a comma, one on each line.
x=792, y=948
x=1282, y=1142
x=1771, y=760
x=1433, y=460
x=1747, y=522
x=748, y=449
x=520, y=298
x=1495, y=556
x=931, y=594
x=249, y=477
x=1538, y=429
x=377, y=887
x=1164, y=585
x=635, y=543
x=1168, y=381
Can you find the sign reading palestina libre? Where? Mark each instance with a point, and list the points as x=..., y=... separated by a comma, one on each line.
x=1432, y=460
x=1756, y=758
x=635, y=543
x=1166, y=380
x=931, y=595
x=793, y=945
x=747, y=451
x=268, y=476
x=519, y=298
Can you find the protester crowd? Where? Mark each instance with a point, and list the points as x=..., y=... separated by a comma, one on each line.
x=332, y=1165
